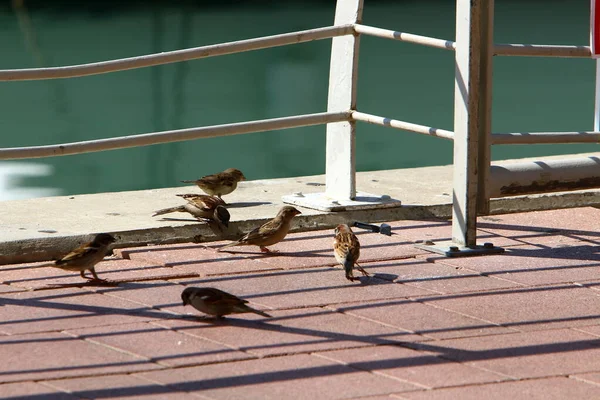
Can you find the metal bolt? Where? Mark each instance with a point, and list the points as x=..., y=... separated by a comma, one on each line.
x=385, y=197
x=488, y=245
x=453, y=249
x=298, y=194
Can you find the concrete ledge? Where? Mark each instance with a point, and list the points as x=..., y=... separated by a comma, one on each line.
x=46, y=228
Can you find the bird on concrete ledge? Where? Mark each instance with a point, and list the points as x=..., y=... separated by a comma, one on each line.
x=221, y=183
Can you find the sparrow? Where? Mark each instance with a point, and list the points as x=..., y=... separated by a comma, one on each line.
x=269, y=233
x=221, y=183
x=201, y=206
x=346, y=249
x=86, y=256
x=216, y=302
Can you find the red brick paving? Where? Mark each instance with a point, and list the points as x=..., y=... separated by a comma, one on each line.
x=524, y=324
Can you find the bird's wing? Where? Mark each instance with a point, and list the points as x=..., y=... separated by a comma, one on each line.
x=203, y=198
x=219, y=297
x=348, y=245
x=265, y=229
x=219, y=179
x=210, y=179
x=204, y=203
x=79, y=252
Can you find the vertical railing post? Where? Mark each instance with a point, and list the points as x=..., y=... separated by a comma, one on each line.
x=340, y=166
x=597, y=98
x=485, y=107
x=472, y=125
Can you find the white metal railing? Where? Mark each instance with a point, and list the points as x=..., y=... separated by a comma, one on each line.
x=169, y=57
x=276, y=123
x=178, y=135
x=405, y=126
x=472, y=137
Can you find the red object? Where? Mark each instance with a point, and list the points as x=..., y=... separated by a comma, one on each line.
x=595, y=27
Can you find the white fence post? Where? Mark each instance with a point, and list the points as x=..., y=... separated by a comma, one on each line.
x=471, y=114
x=597, y=98
x=340, y=166
x=485, y=107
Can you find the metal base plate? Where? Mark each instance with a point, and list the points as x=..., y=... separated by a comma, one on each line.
x=322, y=202
x=450, y=249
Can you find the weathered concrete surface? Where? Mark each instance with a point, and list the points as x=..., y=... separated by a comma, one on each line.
x=45, y=228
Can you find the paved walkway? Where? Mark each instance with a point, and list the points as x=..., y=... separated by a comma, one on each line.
x=525, y=324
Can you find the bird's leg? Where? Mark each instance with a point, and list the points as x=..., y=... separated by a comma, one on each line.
x=263, y=249
x=351, y=277
x=362, y=271
x=220, y=198
x=82, y=273
x=93, y=271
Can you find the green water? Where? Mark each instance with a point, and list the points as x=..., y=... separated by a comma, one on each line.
x=396, y=80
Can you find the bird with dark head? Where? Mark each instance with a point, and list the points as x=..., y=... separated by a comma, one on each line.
x=346, y=249
x=216, y=302
x=201, y=206
x=86, y=256
x=221, y=183
x=270, y=233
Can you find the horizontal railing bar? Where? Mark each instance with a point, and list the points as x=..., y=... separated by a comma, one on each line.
x=545, y=137
x=531, y=50
x=175, y=56
x=274, y=41
x=179, y=135
x=539, y=50
x=407, y=126
x=405, y=37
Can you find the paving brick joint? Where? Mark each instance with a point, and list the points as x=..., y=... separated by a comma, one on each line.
x=523, y=324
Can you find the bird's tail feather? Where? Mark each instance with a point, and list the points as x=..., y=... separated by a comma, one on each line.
x=50, y=264
x=169, y=210
x=237, y=242
x=246, y=308
x=264, y=314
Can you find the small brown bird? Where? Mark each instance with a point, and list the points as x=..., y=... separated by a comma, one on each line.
x=346, y=249
x=269, y=233
x=87, y=256
x=221, y=183
x=201, y=206
x=216, y=302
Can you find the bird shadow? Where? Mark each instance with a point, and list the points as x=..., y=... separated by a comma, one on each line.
x=375, y=279
x=384, y=277
x=180, y=219
x=88, y=283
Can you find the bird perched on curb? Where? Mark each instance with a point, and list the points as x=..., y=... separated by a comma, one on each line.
x=201, y=206
x=221, y=183
x=269, y=233
x=86, y=256
x=216, y=302
x=346, y=249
